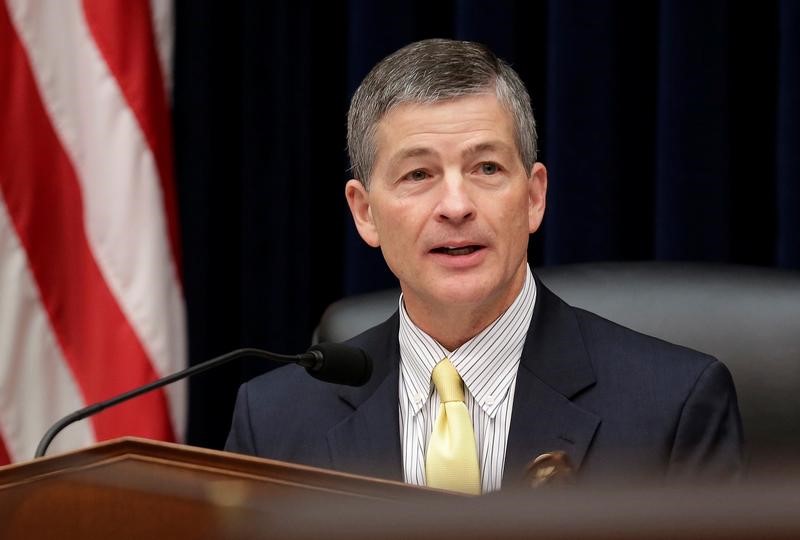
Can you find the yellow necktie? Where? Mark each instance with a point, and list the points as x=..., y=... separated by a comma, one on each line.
x=452, y=458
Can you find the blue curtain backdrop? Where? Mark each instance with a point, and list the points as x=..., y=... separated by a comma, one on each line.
x=671, y=131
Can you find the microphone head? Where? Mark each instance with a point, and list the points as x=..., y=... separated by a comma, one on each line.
x=341, y=364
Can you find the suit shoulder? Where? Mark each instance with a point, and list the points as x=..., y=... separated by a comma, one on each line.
x=282, y=388
x=609, y=343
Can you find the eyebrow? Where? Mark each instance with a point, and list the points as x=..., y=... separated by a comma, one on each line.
x=413, y=152
x=423, y=151
x=490, y=146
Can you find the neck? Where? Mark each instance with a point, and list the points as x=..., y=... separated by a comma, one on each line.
x=453, y=325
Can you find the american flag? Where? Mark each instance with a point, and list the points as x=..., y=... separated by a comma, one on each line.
x=91, y=302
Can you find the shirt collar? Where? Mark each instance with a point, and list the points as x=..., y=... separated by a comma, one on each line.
x=487, y=363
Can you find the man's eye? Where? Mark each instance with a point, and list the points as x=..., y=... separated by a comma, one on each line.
x=416, y=176
x=489, y=168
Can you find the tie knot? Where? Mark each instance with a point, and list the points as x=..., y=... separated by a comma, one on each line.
x=447, y=382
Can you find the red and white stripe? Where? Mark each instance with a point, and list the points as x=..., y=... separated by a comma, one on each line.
x=90, y=296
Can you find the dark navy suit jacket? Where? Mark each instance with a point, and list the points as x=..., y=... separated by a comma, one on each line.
x=616, y=401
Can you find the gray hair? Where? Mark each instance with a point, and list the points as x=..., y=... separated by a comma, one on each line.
x=431, y=71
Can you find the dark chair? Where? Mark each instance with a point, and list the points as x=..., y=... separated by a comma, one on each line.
x=747, y=317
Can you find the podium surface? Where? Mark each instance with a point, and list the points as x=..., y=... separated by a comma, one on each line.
x=134, y=488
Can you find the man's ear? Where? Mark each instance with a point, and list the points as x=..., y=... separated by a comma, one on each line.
x=537, y=195
x=358, y=201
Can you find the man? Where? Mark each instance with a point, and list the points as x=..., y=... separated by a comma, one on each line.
x=442, y=142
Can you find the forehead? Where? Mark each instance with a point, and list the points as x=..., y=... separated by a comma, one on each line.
x=451, y=124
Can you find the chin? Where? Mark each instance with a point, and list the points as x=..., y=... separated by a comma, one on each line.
x=464, y=294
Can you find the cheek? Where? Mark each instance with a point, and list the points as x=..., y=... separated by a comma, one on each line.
x=397, y=241
x=512, y=211
x=395, y=225
x=513, y=223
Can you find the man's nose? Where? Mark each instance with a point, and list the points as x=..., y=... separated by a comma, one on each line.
x=455, y=203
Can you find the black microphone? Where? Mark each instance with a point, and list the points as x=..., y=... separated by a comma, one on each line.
x=339, y=364
x=329, y=362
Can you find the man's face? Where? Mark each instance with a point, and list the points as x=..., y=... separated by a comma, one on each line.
x=450, y=203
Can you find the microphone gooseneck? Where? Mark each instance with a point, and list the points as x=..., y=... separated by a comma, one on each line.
x=329, y=362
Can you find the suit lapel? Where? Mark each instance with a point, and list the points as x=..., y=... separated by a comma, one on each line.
x=368, y=441
x=553, y=369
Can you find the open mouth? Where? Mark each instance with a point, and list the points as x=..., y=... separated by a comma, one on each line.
x=457, y=251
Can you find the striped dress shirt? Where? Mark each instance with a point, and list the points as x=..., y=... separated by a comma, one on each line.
x=488, y=365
